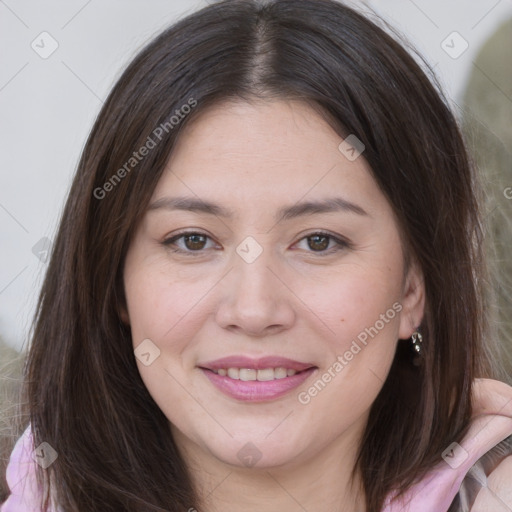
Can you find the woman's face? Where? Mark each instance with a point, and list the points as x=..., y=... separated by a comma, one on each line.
x=261, y=273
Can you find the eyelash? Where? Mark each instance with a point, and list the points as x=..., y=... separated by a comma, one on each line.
x=341, y=244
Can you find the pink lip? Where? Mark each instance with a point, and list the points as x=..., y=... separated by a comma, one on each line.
x=256, y=364
x=254, y=390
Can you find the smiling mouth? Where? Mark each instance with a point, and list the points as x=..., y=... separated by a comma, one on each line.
x=257, y=385
x=251, y=374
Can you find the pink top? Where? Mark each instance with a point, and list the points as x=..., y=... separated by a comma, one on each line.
x=461, y=464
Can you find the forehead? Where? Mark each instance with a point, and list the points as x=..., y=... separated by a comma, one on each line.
x=264, y=153
x=281, y=130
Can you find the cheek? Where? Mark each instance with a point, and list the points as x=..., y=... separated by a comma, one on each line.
x=160, y=307
x=363, y=322
x=169, y=311
x=362, y=310
x=355, y=305
x=164, y=311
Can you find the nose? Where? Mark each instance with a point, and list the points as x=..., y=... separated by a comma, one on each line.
x=255, y=298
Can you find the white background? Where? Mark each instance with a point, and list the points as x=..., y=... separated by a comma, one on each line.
x=47, y=106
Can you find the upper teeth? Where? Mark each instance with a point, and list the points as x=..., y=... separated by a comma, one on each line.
x=252, y=374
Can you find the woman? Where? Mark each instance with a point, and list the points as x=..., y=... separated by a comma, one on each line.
x=266, y=287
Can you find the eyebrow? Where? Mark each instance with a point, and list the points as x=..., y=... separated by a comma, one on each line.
x=328, y=205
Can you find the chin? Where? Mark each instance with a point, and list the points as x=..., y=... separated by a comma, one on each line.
x=254, y=454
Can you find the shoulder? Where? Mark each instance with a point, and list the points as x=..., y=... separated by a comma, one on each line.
x=25, y=493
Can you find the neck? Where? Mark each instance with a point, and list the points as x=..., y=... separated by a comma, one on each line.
x=319, y=482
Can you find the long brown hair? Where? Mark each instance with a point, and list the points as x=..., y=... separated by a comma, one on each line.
x=84, y=394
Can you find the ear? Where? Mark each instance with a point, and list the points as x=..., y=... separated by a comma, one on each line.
x=123, y=314
x=413, y=302
x=122, y=308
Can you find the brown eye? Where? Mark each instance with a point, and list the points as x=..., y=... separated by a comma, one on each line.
x=318, y=242
x=194, y=242
x=191, y=242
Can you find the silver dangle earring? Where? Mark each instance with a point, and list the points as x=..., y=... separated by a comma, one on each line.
x=416, y=341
